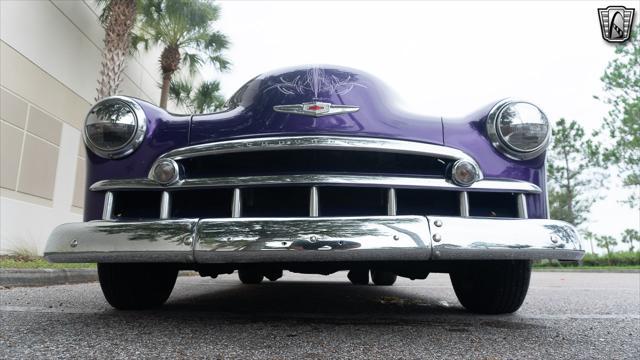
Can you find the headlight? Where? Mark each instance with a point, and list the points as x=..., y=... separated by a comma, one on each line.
x=518, y=129
x=114, y=127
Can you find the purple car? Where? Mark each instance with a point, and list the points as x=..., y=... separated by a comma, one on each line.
x=312, y=169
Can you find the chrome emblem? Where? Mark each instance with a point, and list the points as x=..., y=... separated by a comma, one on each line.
x=615, y=23
x=316, y=109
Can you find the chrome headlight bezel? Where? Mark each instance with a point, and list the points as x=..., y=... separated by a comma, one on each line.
x=500, y=143
x=134, y=140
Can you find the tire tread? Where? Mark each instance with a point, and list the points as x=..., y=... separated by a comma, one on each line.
x=492, y=287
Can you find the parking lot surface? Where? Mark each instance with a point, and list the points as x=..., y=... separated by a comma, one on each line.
x=566, y=315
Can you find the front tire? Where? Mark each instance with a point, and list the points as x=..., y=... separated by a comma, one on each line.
x=250, y=276
x=359, y=276
x=136, y=286
x=492, y=287
x=383, y=278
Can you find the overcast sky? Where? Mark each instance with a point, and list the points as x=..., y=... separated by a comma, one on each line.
x=442, y=58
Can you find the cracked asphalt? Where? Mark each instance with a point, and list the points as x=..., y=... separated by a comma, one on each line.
x=566, y=315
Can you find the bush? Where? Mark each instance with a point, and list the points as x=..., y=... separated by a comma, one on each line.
x=620, y=258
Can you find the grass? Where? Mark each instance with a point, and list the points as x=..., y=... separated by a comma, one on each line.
x=36, y=262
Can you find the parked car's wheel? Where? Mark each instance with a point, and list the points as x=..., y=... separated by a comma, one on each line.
x=250, y=276
x=136, y=286
x=273, y=275
x=358, y=276
x=492, y=287
x=383, y=278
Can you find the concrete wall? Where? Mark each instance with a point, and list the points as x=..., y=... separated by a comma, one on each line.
x=50, y=53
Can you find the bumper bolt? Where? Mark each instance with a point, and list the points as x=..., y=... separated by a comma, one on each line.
x=555, y=238
x=396, y=237
x=437, y=223
x=74, y=243
x=313, y=238
x=188, y=240
x=436, y=237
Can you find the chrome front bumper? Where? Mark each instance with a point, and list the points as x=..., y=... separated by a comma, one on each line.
x=257, y=240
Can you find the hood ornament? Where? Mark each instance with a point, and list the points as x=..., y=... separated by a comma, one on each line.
x=316, y=109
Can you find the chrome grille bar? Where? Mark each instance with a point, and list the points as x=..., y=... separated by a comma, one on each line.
x=318, y=143
x=107, y=210
x=321, y=179
x=165, y=205
x=236, y=204
x=464, y=204
x=313, y=202
x=522, y=206
x=392, y=204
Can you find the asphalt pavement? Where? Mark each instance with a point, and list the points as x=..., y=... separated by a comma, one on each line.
x=566, y=315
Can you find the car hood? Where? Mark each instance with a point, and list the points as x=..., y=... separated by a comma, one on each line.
x=250, y=111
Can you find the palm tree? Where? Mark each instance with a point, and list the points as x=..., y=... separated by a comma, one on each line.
x=206, y=97
x=118, y=19
x=182, y=27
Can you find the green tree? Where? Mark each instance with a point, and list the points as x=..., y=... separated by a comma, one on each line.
x=572, y=178
x=606, y=242
x=183, y=29
x=118, y=18
x=621, y=127
x=206, y=97
x=629, y=236
x=590, y=237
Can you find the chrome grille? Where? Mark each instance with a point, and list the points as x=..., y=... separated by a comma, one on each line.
x=299, y=201
x=313, y=176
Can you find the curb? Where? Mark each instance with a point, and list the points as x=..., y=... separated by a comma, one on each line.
x=46, y=277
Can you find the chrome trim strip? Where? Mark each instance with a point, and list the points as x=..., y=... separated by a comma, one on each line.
x=165, y=205
x=257, y=240
x=316, y=179
x=236, y=204
x=313, y=202
x=522, y=206
x=392, y=203
x=107, y=209
x=318, y=143
x=464, y=204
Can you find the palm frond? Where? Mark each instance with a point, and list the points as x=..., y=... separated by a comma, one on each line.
x=138, y=40
x=180, y=92
x=106, y=10
x=220, y=62
x=216, y=40
x=193, y=61
x=207, y=97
